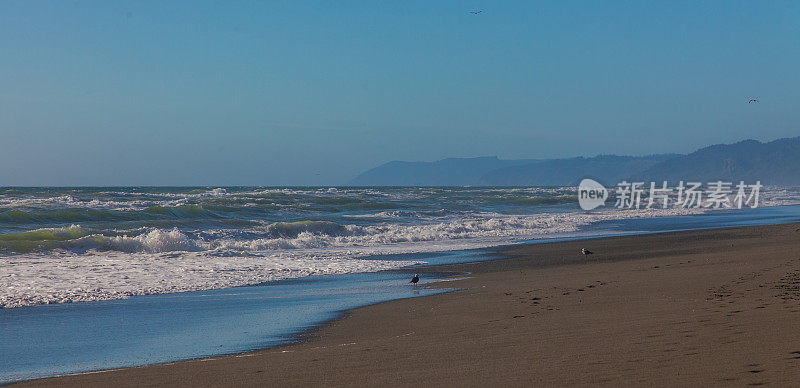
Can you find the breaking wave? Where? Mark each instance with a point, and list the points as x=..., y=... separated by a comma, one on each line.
x=77, y=239
x=82, y=244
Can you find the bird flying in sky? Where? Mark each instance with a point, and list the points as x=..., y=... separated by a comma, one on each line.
x=476, y=12
x=752, y=100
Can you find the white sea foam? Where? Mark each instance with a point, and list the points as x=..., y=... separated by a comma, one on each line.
x=154, y=241
x=75, y=263
x=68, y=277
x=161, y=261
x=486, y=229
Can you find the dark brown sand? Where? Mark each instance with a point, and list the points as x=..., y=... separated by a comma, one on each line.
x=702, y=308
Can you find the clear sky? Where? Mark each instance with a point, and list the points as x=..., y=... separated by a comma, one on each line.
x=314, y=92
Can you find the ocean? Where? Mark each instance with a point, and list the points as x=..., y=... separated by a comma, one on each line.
x=87, y=244
x=96, y=278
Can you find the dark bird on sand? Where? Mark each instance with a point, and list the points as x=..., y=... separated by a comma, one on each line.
x=752, y=100
x=415, y=279
x=586, y=251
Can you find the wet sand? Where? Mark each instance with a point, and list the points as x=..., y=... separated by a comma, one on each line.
x=711, y=308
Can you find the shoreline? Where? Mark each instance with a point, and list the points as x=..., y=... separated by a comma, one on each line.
x=355, y=326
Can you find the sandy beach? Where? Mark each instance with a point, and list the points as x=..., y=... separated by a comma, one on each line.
x=710, y=308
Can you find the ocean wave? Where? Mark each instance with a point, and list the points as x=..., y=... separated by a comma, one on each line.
x=95, y=244
x=66, y=215
x=154, y=241
x=487, y=229
x=314, y=234
x=294, y=229
x=52, y=205
x=184, y=211
x=397, y=214
x=68, y=201
x=160, y=261
x=40, y=239
x=440, y=226
x=389, y=227
x=78, y=239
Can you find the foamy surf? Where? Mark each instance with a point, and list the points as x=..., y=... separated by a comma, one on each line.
x=116, y=244
x=66, y=277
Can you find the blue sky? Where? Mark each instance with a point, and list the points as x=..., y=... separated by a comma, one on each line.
x=296, y=92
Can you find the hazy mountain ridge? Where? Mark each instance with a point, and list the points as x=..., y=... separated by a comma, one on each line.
x=445, y=172
x=773, y=163
x=607, y=169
